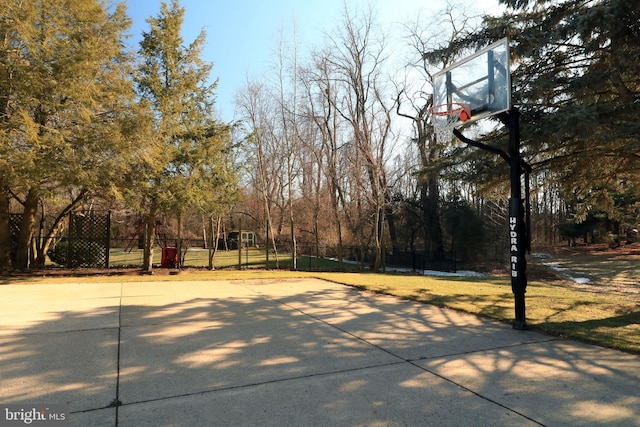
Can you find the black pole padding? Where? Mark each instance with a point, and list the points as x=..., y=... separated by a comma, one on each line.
x=519, y=239
x=517, y=227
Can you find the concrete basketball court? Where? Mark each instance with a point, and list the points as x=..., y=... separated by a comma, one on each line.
x=294, y=353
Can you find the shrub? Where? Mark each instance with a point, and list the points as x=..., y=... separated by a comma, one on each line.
x=86, y=255
x=59, y=252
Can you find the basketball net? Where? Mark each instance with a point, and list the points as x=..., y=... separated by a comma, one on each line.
x=445, y=117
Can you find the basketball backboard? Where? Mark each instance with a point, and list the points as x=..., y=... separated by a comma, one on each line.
x=481, y=82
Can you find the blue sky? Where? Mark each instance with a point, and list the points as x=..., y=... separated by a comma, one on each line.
x=243, y=34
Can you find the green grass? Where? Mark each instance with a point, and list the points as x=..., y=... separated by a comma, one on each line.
x=252, y=258
x=610, y=319
x=602, y=267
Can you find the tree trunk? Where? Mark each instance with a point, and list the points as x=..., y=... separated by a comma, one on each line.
x=5, y=230
x=391, y=223
x=179, y=242
x=214, y=237
x=149, y=240
x=57, y=227
x=431, y=217
x=292, y=231
x=26, y=229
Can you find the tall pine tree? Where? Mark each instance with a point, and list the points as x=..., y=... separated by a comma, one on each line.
x=65, y=93
x=580, y=89
x=576, y=81
x=189, y=147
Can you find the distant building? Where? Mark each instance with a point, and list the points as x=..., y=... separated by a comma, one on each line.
x=248, y=239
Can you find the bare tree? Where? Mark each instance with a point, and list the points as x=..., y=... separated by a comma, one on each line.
x=256, y=107
x=320, y=98
x=357, y=61
x=414, y=100
x=286, y=69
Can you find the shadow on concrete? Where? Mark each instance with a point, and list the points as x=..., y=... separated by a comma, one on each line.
x=308, y=353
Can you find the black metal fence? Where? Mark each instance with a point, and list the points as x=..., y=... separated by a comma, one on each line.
x=89, y=240
x=89, y=243
x=421, y=261
x=310, y=257
x=417, y=261
x=14, y=228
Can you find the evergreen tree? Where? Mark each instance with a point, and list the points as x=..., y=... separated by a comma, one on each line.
x=65, y=94
x=576, y=81
x=187, y=153
x=577, y=84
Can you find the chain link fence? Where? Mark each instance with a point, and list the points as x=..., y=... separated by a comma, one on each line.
x=91, y=242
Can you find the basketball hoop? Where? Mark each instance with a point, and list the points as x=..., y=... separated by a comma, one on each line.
x=446, y=116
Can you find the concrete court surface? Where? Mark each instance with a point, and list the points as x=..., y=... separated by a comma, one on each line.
x=294, y=353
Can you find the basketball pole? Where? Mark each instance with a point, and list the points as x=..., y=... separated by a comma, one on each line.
x=517, y=228
x=518, y=233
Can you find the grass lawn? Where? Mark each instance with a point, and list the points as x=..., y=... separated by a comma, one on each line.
x=597, y=314
x=603, y=266
x=610, y=319
x=251, y=258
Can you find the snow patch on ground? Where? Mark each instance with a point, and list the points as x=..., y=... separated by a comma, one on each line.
x=459, y=273
x=545, y=259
